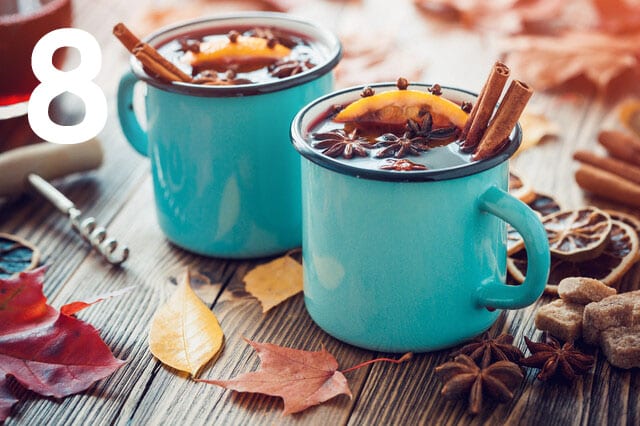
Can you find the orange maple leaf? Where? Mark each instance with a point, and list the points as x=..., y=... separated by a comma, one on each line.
x=547, y=61
x=618, y=15
x=301, y=378
x=508, y=16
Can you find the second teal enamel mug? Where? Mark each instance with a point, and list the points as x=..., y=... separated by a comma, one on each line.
x=403, y=260
x=225, y=179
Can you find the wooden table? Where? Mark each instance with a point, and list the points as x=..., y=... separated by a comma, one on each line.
x=119, y=194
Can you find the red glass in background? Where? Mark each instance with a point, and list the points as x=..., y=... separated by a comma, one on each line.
x=22, y=24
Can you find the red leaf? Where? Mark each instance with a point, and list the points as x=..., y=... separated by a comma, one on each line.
x=301, y=378
x=75, y=307
x=48, y=353
x=618, y=15
x=22, y=304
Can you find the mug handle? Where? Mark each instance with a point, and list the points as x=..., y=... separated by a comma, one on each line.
x=136, y=136
x=500, y=295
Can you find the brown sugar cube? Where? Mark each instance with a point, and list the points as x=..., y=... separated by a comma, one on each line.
x=561, y=319
x=583, y=290
x=621, y=346
x=613, y=311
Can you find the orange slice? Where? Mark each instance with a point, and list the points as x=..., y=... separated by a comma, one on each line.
x=395, y=107
x=619, y=255
x=543, y=205
x=630, y=220
x=577, y=235
x=245, y=54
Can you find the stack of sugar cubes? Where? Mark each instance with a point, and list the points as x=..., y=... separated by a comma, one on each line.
x=591, y=310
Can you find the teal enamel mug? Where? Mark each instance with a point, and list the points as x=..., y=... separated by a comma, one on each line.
x=226, y=182
x=401, y=260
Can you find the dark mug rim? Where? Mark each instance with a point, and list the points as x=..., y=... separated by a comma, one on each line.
x=304, y=148
x=317, y=33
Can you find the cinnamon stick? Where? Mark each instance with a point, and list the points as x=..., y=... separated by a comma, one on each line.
x=485, y=105
x=153, y=67
x=621, y=145
x=501, y=126
x=613, y=165
x=148, y=56
x=126, y=37
x=608, y=185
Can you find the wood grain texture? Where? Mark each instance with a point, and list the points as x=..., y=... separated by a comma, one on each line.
x=120, y=196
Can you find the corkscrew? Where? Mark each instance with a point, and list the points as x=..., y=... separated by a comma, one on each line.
x=90, y=231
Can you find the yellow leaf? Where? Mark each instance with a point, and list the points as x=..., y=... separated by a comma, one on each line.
x=536, y=128
x=184, y=333
x=274, y=282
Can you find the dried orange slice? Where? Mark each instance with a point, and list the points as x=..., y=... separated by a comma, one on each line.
x=620, y=253
x=629, y=114
x=520, y=188
x=542, y=204
x=630, y=220
x=16, y=255
x=395, y=107
x=244, y=54
x=577, y=235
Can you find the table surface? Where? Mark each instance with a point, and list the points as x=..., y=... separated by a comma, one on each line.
x=119, y=195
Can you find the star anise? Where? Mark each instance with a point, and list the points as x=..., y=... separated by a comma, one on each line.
x=400, y=146
x=402, y=165
x=554, y=359
x=338, y=142
x=487, y=350
x=426, y=131
x=463, y=375
x=416, y=129
x=286, y=68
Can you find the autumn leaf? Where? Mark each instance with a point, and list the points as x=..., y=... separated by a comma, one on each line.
x=618, y=15
x=549, y=61
x=301, y=378
x=46, y=352
x=274, y=282
x=536, y=128
x=184, y=333
x=75, y=307
x=507, y=16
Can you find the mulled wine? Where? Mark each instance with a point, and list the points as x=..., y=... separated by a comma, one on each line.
x=241, y=55
x=22, y=24
x=398, y=129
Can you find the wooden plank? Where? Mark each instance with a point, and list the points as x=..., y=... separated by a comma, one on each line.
x=144, y=391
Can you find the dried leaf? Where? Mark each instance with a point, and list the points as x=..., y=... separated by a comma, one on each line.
x=618, y=16
x=547, y=62
x=48, y=353
x=508, y=16
x=301, y=378
x=274, y=282
x=75, y=307
x=184, y=333
x=16, y=255
x=535, y=129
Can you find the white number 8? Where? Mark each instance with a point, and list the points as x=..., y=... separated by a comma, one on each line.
x=78, y=81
